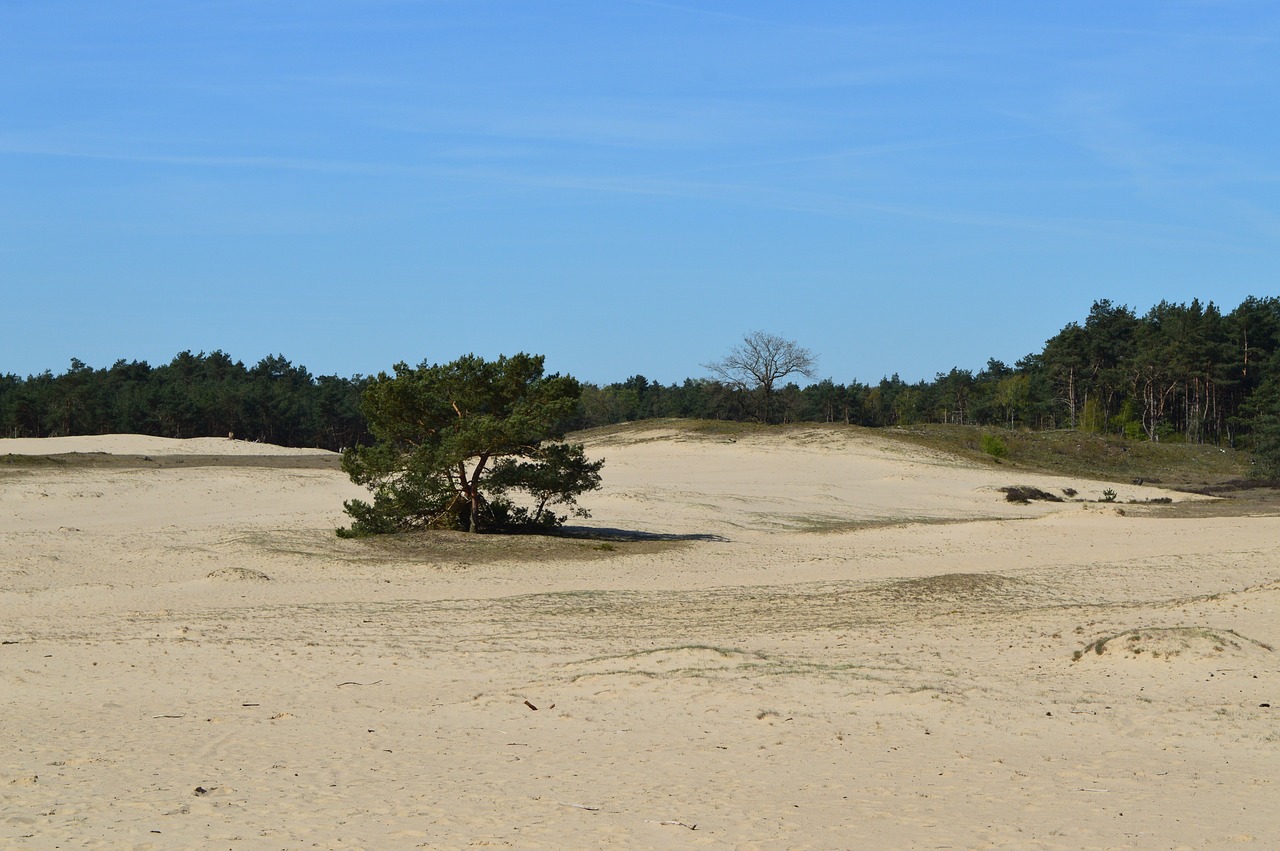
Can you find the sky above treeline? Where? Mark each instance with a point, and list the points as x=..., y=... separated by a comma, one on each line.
x=625, y=186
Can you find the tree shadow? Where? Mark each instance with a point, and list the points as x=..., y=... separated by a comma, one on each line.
x=597, y=533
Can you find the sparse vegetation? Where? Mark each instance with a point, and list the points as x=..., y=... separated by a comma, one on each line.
x=452, y=549
x=1067, y=452
x=837, y=525
x=1168, y=642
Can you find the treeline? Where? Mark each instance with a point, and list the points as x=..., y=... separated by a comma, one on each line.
x=1178, y=372
x=194, y=395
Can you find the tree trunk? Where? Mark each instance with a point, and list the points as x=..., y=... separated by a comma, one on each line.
x=473, y=492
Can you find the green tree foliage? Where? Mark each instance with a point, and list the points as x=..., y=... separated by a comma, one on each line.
x=1185, y=372
x=455, y=441
x=1262, y=412
x=1012, y=396
x=194, y=395
x=955, y=396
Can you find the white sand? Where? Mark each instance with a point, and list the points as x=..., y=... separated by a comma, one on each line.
x=859, y=646
x=138, y=444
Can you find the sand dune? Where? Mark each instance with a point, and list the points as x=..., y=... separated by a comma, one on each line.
x=139, y=444
x=813, y=640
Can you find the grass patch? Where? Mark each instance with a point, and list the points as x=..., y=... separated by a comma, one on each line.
x=835, y=525
x=1067, y=452
x=1233, y=486
x=1169, y=642
x=447, y=547
x=42, y=462
x=463, y=547
x=952, y=586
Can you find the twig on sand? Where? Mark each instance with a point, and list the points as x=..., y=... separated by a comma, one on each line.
x=354, y=683
x=1093, y=790
x=673, y=823
x=577, y=806
x=183, y=715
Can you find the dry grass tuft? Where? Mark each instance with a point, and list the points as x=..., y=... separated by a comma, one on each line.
x=1171, y=642
x=954, y=585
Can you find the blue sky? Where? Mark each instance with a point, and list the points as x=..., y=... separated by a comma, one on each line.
x=626, y=186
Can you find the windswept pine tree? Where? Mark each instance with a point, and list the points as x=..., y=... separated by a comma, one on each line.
x=455, y=442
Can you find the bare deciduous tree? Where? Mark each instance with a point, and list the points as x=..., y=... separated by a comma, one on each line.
x=761, y=362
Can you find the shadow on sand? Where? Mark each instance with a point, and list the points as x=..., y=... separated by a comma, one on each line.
x=595, y=533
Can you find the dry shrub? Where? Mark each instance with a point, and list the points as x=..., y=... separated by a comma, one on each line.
x=1024, y=494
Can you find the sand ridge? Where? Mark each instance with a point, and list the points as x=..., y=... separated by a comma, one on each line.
x=140, y=444
x=829, y=641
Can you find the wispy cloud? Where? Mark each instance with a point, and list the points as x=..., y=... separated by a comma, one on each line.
x=757, y=191
x=621, y=122
x=688, y=9
x=10, y=148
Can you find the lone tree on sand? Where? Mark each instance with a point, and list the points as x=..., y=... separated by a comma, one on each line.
x=455, y=441
x=760, y=363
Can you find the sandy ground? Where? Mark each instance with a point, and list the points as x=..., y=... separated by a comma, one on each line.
x=820, y=640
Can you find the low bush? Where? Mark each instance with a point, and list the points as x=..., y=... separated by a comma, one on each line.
x=1024, y=494
x=994, y=446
